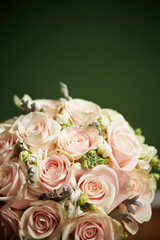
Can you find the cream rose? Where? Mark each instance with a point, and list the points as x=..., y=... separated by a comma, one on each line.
x=36, y=128
x=7, y=143
x=125, y=147
x=95, y=226
x=42, y=220
x=105, y=187
x=13, y=189
x=78, y=141
x=54, y=173
x=82, y=111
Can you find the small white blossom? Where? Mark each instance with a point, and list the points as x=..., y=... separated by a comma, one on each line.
x=104, y=122
x=62, y=118
x=18, y=101
x=73, y=209
x=105, y=150
x=146, y=154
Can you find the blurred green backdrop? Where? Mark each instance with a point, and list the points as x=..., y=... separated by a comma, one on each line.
x=105, y=51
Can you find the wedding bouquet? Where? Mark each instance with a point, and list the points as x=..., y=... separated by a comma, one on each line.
x=71, y=170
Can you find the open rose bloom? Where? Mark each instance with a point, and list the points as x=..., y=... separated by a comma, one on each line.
x=71, y=170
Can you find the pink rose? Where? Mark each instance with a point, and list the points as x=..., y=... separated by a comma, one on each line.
x=143, y=185
x=81, y=111
x=77, y=141
x=5, y=126
x=43, y=220
x=7, y=143
x=13, y=189
x=54, y=173
x=105, y=187
x=50, y=107
x=9, y=224
x=46, y=104
x=125, y=147
x=95, y=226
x=36, y=128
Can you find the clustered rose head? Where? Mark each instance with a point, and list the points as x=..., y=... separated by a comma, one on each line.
x=93, y=226
x=42, y=220
x=67, y=167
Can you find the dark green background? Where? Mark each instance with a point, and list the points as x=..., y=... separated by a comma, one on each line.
x=105, y=51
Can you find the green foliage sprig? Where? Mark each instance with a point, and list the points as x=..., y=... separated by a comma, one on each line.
x=92, y=159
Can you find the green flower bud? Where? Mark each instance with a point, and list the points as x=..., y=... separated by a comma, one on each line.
x=92, y=153
x=100, y=161
x=31, y=161
x=91, y=159
x=24, y=155
x=125, y=235
x=138, y=131
x=92, y=207
x=82, y=199
x=157, y=166
x=154, y=160
x=84, y=163
x=156, y=175
x=106, y=160
x=88, y=206
x=66, y=125
x=100, y=150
